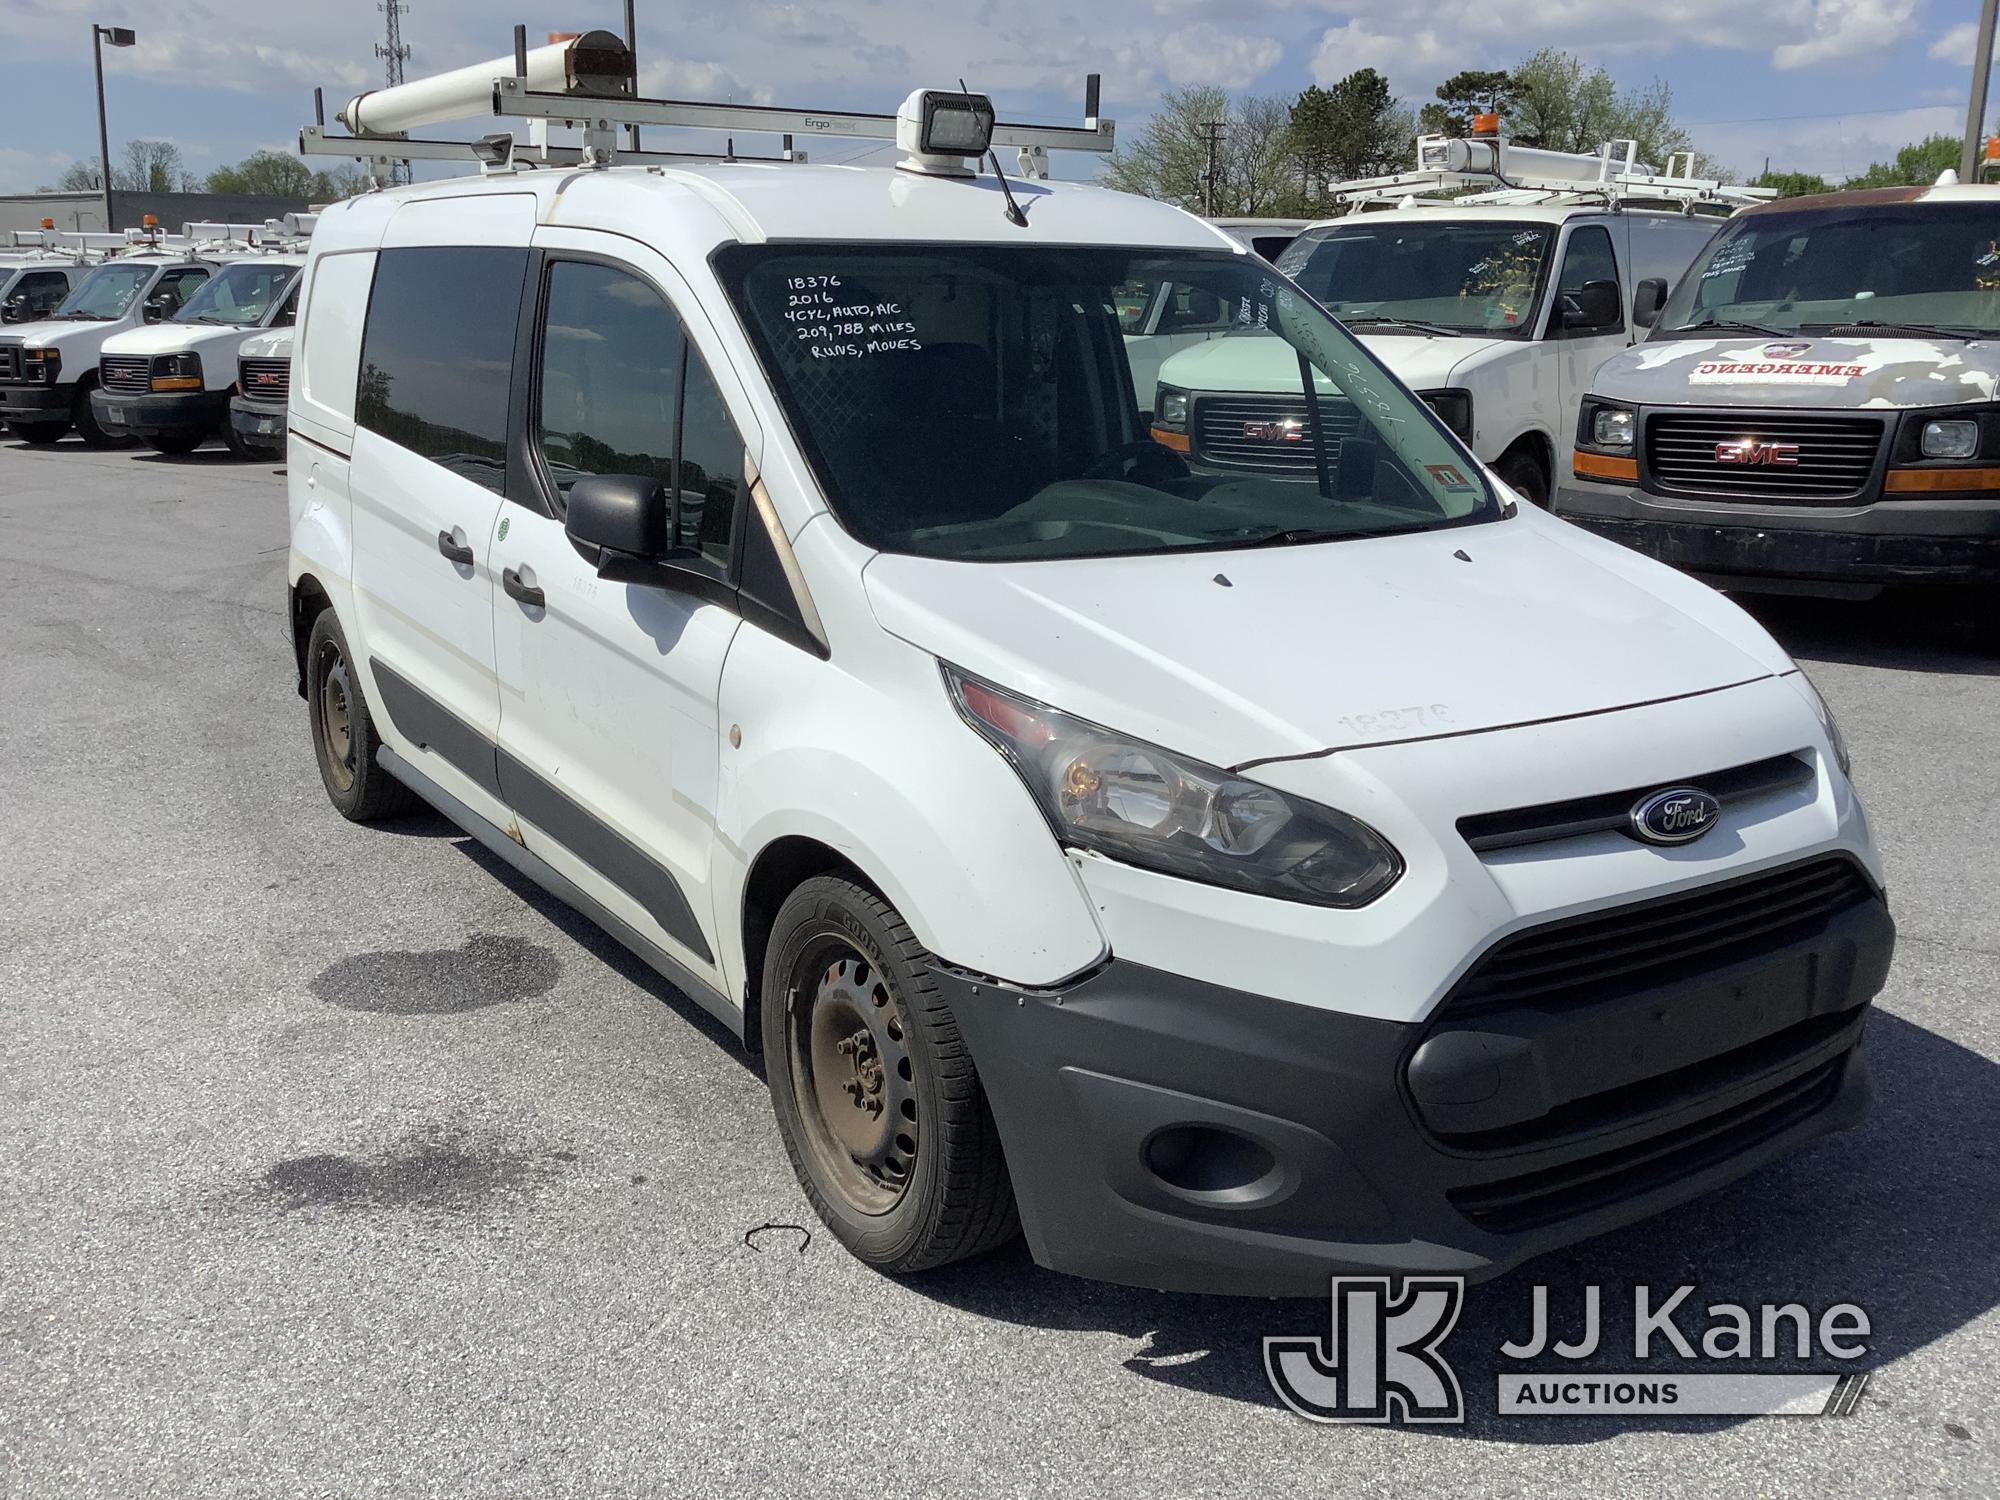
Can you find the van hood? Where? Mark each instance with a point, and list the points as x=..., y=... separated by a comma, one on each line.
x=270, y=343
x=1250, y=655
x=49, y=334
x=177, y=338
x=1265, y=364
x=1802, y=372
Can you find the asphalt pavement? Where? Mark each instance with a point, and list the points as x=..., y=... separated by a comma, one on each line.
x=338, y=1161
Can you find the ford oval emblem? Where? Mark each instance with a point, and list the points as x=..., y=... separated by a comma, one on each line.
x=1679, y=815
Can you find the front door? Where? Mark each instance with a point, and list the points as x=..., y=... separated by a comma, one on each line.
x=428, y=470
x=609, y=745
x=1587, y=256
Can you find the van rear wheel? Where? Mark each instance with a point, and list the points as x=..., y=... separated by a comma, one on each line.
x=1522, y=473
x=882, y=1114
x=343, y=731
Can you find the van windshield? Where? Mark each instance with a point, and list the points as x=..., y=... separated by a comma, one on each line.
x=105, y=293
x=989, y=403
x=1811, y=270
x=1455, y=276
x=238, y=295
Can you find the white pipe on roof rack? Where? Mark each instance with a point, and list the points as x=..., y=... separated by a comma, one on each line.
x=596, y=63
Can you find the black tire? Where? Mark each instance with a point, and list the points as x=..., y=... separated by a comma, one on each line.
x=1523, y=473
x=41, y=434
x=174, y=444
x=840, y=956
x=345, y=743
x=85, y=421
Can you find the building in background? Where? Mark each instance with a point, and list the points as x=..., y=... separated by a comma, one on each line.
x=85, y=209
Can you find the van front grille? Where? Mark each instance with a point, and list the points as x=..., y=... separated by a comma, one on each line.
x=265, y=379
x=1786, y=458
x=1588, y=958
x=1268, y=434
x=10, y=361
x=129, y=374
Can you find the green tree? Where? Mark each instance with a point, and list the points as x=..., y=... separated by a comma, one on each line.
x=1464, y=95
x=153, y=167
x=1560, y=103
x=1256, y=168
x=1916, y=165
x=1354, y=128
x=1792, y=184
x=273, y=174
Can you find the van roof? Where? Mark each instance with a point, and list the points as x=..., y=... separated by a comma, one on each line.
x=1534, y=213
x=755, y=202
x=1957, y=192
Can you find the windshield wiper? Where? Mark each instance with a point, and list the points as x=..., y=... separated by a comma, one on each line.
x=1739, y=327
x=1379, y=321
x=1305, y=535
x=1869, y=328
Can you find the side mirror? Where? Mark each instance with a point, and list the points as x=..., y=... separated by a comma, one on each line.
x=15, y=309
x=631, y=515
x=1648, y=297
x=1592, y=308
x=156, y=308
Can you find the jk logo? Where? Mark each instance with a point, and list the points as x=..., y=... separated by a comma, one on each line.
x=1381, y=1363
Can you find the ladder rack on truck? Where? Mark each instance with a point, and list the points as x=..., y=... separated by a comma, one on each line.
x=586, y=83
x=1492, y=169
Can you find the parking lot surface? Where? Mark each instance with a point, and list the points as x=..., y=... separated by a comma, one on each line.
x=339, y=1161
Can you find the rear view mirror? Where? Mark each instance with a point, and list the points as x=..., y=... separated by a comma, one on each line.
x=628, y=514
x=1647, y=299
x=1592, y=308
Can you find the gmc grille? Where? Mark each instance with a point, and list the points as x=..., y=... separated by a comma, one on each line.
x=267, y=380
x=131, y=374
x=1834, y=456
x=1267, y=434
x=1586, y=958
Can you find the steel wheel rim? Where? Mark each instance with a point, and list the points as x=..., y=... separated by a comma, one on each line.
x=852, y=1077
x=335, y=697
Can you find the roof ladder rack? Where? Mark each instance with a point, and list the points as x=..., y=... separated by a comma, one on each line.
x=585, y=82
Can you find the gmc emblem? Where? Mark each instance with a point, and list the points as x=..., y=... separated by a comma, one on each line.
x=263, y=377
x=1285, y=431
x=1756, y=451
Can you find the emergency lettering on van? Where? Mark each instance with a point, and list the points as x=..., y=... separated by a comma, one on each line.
x=1773, y=372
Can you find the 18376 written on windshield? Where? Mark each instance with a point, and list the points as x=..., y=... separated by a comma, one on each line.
x=834, y=324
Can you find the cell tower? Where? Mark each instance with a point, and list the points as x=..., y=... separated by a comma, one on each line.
x=394, y=51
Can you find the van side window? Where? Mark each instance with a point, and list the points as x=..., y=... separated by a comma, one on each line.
x=437, y=354
x=43, y=291
x=611, y=376
x=1588, y=258
x=711, y=466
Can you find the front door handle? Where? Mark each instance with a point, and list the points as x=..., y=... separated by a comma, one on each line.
x=451, y=549
x=527, y=593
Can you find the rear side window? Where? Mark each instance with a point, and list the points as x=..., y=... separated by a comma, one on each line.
x=437, y=355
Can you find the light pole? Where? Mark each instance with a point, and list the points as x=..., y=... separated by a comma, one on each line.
x=118, y=36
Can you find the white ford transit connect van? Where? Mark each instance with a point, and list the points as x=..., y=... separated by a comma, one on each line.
x=1225, y=880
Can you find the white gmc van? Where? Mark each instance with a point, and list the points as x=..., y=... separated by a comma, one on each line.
x=1224, y=880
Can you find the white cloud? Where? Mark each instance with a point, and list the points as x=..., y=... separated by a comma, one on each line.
x=24, y=171
x=1205, y=53
x=1956, y=45
x=1842, y=30
x=1415, y=61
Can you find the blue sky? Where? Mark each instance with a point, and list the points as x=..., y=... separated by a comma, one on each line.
x=1819, y=85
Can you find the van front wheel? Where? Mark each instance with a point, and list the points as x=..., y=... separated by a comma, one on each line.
x=883, y=1117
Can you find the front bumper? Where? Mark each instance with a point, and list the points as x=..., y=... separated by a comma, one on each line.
x=257, y=424
x=20, y=401
x=1168, y=1133
x=146, y=416
x=1859, y=548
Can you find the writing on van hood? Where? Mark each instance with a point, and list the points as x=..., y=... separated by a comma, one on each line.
x=1803, y=371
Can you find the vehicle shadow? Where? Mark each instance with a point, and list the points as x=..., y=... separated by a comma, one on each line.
x=200, y=458
x=1899, y=1217
x=1917, y=631
x=587, y=935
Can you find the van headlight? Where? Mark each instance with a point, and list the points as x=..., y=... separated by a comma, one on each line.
x=1611, y=427
x=1949, y=437
x=1170, y=408
x=1829, y=724
x=177, y=372
x=1149, y=807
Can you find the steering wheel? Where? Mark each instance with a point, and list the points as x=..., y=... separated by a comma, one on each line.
x=1138, y=458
